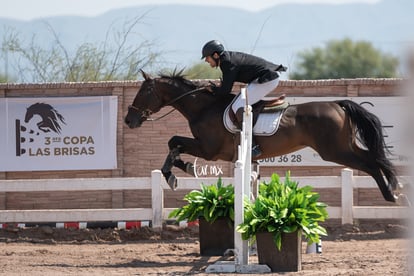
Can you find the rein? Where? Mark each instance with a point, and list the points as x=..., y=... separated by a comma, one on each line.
x=185, y=94
x=159, y=118
x=149, y=112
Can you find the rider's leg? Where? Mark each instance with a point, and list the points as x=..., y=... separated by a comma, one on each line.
x=255, y=92
x=255, y=147
x=239, y=117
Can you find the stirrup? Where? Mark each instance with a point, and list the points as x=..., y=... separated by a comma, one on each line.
x=256, y=151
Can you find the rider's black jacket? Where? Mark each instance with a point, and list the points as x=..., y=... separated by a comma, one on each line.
x=245, y=68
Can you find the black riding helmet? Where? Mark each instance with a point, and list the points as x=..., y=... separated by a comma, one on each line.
x=212, y=47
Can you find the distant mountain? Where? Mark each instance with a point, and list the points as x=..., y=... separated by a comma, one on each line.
x=277, y=33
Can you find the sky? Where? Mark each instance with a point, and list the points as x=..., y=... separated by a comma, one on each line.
x=34, y=9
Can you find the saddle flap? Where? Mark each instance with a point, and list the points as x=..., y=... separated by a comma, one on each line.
x=265, y=125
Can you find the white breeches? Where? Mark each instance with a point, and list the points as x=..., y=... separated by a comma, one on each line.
x=255, y=92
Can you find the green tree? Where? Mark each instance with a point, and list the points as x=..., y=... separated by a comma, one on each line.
x=345, y=59
x=3, y=78
x=112, y=59
x=202, y=71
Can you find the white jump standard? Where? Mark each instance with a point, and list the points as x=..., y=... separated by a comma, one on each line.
x=242, y=186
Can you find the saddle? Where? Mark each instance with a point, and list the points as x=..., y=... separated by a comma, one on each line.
x=263, y=106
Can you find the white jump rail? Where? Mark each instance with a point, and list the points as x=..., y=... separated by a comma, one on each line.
x=346, y=212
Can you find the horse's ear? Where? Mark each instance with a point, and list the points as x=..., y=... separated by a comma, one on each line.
x=145, y=75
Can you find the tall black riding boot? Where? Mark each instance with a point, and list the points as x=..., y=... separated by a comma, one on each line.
x=256, y=151
x=239, y=118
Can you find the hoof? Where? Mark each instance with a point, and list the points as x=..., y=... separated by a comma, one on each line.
x=229, y=252
x=172, y=182
x=402, y=200
x=189, y=168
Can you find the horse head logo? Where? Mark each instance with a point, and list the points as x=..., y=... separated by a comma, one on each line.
x=51, y=118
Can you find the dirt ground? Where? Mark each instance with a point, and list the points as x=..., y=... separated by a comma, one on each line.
x=370, y=249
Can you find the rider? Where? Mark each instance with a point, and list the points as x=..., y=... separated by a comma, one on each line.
x=261, y=76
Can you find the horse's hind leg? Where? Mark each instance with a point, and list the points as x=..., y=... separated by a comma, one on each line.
x=361, y=160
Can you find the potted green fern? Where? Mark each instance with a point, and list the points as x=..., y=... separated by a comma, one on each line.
x=213, y=206
x=280, y=215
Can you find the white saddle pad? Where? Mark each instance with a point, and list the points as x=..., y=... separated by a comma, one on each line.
x=266, y=125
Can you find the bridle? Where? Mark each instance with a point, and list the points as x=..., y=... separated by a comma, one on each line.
x=147, y=112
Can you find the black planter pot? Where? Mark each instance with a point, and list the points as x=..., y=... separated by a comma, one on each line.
x=289, y=258
x=216, y=237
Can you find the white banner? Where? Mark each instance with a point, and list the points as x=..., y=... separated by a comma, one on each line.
x=389, y=111
x=65, y=133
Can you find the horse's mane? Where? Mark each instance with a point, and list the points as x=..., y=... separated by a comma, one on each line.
x=178, y=75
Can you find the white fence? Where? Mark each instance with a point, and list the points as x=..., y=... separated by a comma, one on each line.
x=346, y=212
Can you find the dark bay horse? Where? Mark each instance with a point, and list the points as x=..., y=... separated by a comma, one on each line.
x=329, y=128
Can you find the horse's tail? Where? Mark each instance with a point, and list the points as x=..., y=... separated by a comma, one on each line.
x=370, y=132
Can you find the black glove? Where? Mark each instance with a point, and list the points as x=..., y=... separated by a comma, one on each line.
x=212, y=87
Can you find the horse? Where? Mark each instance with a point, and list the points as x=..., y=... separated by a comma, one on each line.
x=331, y=128
x=51, y=118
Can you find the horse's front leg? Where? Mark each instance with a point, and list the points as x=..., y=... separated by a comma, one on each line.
x=178, y=145
x=173, y=159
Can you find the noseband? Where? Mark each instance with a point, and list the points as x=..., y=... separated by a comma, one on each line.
x=145, y=113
